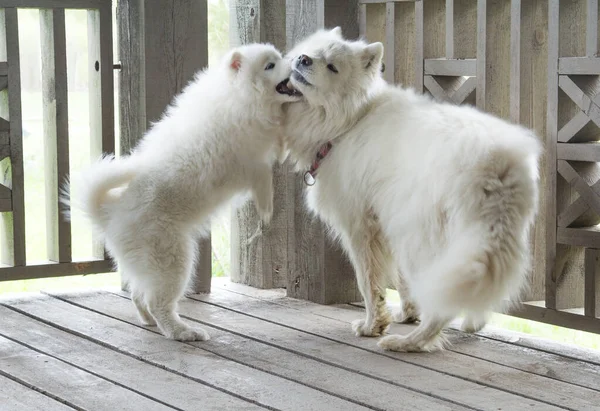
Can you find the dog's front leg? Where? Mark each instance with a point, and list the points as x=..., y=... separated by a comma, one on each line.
x=262, y=193
x=372, y=263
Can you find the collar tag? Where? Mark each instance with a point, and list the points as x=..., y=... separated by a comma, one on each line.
x=309, y=176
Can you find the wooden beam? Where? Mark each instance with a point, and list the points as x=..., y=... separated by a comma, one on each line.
x=551, y=140
x=579, y=152
x=13, y=246
x=56, y=130
x=162, y=44
x=591, y=307
x=52, y=4
x=55, y=270
x=591, y=28
x=419, y=56
x=481, y=52
x=579, y=65
x=515, y=60
x=450, y=67
x=560, y=318
x=390, y=39
x=581, y=237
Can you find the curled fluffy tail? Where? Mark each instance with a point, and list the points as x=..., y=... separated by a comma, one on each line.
x=487, y=256
x=93, y=186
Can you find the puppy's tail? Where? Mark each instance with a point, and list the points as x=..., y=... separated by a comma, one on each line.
x=93, y=186
x=487, y=257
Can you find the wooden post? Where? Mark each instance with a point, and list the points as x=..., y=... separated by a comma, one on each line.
x=12, y=250
x=162, y=43
x=318, y=271
x=56, y=129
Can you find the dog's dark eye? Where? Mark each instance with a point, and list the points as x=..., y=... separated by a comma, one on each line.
x=270, y=66
x=332, y=68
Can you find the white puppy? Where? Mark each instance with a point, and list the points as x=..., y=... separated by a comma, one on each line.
x=219, y=138
x=436, y=197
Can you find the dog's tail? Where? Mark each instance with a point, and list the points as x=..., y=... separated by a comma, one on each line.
x=93, y=188
x=487, y=257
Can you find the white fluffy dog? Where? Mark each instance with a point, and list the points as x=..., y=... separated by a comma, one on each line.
x=436, y=197
x=219, y=138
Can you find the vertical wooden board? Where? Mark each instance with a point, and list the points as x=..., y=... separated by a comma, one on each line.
x=342, y=13
x=481, y=53
x=362, y=21
x=497, y=58
x=591, y=30
x=570, y=282
x=434, y=28
x=13, y=224
x=465, y=29
x=132, y=76
x=262, y=261
x=56, y=130
x=390, y=40
x=405, y=44
x=515, y=60
x=302, y=19
x=376, y=22
x=591, y=305
x=533, y=106
x=449, y=29
x=419, y=52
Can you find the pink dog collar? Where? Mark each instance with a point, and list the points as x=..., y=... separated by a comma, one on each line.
x=309, y=176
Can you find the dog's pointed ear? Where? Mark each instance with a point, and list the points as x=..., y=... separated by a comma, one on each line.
x=337, y=31
x=235, y=61
x=372, y=55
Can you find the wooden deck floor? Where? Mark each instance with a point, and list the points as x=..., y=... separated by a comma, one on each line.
x=87, y=352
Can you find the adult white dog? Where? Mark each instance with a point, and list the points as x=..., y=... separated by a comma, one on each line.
x=219, y=138
x=436, y=197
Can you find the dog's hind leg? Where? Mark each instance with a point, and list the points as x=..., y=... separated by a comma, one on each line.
x=171, y=260
x=372, y=263
x=426, y=337
x=145, y=316
x=473, y=323
x=409, y=312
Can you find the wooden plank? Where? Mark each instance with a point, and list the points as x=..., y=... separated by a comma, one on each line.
x=556, y=317
x=5, y=192
x=451, y=67
x=551, y=137
x=591, y=28
x=55, y=270
x=362, y=21
x=465, y=29
x=434, y=28
x=342, y=13
x=587, y=105
x=516, y=350
x=283, y=361
x=189, y=360
x=4, y=66
x=13, y=224
x=419, y=50
x=575, y=180
x=515, y=60
x=95, y=101
x=56, y=130
x=157, y=384
x=317, y=270
x=390, y=47
x=533, y=387
x=449, y=29
x=387, y=1
x=464, y=91
x=583, y=237
x=68, y=384
x=434, y=88
x=579, y=152
x=591, y=305
x=52, y=4
x=18, y=397
x=481, y=52
x=262, y=262
x=574, y=125
x=579, y=65
x=162, y=45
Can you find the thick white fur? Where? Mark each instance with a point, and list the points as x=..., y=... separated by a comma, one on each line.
x=437, y=199
x=219, y=138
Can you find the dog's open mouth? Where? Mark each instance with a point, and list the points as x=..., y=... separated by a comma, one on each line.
x=286, y=87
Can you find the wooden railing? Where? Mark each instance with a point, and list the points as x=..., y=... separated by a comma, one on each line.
x=533, y=62
x=56, y=140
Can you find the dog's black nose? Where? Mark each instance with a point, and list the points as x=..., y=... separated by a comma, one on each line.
x=305, y=60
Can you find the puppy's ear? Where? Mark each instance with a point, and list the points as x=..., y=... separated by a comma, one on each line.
x=372, y=55
x=235, y=61
x=337, y=31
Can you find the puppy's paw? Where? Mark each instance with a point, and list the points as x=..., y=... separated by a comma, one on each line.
x=191, y=334
x=472, y=325
x=408, y=314
x=402, y=343
x=362, y=329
